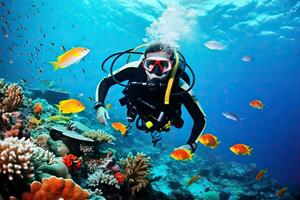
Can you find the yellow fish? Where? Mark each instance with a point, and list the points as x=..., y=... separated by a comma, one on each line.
x=70, y=57
x=118, y=126
x=34, y=122
x=70, y=106
x=193, y=179
x=55, y=118
x=108, y=106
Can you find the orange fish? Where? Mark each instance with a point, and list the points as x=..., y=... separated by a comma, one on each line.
x=181, y=154
x=118, y=126
x=257, y=104
x=209, y=140
x=281, y=192
x=241, y=149
x=261, y=174
x=37, y=108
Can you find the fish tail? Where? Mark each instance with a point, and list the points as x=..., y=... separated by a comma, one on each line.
x=249, y=151
x=55, y=65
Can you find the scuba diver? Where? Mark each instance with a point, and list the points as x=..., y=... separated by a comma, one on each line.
x=157, y=88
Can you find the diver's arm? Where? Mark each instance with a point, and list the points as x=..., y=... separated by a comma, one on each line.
x=124, y=73
x=194, y=108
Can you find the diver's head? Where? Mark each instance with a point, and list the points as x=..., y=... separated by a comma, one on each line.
x=158, y=61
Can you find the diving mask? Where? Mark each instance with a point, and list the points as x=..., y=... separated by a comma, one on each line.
x=157, y=63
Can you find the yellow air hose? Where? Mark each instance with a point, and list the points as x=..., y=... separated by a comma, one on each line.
x=171, y=80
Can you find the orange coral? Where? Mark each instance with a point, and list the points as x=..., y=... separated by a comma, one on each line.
x=55, y=188
x=37, y=108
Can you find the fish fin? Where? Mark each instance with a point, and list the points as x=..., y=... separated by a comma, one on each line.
x=249, y=151
x=55, y=65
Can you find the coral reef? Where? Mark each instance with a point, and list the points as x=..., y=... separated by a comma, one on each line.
x=136, y=172
x=41, y=156
x=11, y=97
x=101, y=177
x=72, y=162
x=56, y=188
x=13, y=125
x=15, y=158
x=100, y=136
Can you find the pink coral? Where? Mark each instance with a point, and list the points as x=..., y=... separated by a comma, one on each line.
x=13, y=125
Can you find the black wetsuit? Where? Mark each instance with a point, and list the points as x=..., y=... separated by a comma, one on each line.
x=135, y=73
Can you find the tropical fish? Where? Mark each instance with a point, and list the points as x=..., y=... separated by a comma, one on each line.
x=70, y=57
x=80, y=94
x=193, y=179
x=232, y=116
x=246, y=58
x=260, y=174
x=256, y=104
x=33, y=122
x=55, y=118
x=108, y=106
x=91, y=98
x=70, y=106
x=241, y=149
x=37, y=108
x=118, y=126
x=209, y=140
x=181, y=154
x=214, y=45
x=281, y=192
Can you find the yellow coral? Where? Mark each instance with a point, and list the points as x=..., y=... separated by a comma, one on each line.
x=136, y=172
x=99, y=136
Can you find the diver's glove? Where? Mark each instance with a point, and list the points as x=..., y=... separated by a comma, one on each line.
x=102, y=115
x=191, y=147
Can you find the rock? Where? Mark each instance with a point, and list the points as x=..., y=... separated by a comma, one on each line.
x=70, y=134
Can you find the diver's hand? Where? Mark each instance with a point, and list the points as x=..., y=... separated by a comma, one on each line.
x=191, y=148
x=102, y=115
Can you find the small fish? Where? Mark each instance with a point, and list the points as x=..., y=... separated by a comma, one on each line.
x=83, y=70
x=44, y=35
x=70, y=106
x=80, y=95
x=214, y=45
x=91, y=98
x=246, y=58
x=281, y=192
x=10, y=49
x=261, y=174
x=209, y=140
x=63, y=48
x=118, y=126
x=23, y=81
x=181, y=154
x=256, y=104
x=37, y=108
x=70, y=57
x=52, y=43
x=33, y=122
x=241, y=149
x=232, y=116
x=108, y=106
x=55, y=118
x=29, y=62
x=40, y=70
x=11, y=62
x=193, y=179
x=41, y=44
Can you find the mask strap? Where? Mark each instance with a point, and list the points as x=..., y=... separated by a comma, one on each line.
x=171, y=80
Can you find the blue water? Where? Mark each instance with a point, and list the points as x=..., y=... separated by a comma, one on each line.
x=267, y=30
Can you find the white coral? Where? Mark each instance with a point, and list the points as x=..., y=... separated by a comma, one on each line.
x=41, y=156
x=101, y=177
x=15, y=158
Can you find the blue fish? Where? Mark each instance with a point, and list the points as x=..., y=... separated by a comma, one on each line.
x=232, y=116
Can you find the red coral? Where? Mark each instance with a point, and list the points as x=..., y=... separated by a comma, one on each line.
x=72, y=162
x=120, y=177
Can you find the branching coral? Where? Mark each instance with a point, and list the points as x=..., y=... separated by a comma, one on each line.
x=13, y=125
x=101, y=177
x=56, y=188
x=100, y=136
x=41, y=156
x=11, y=97
x=136, y=172
x=15, y=158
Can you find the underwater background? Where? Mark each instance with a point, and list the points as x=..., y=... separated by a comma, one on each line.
x=33, y=33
